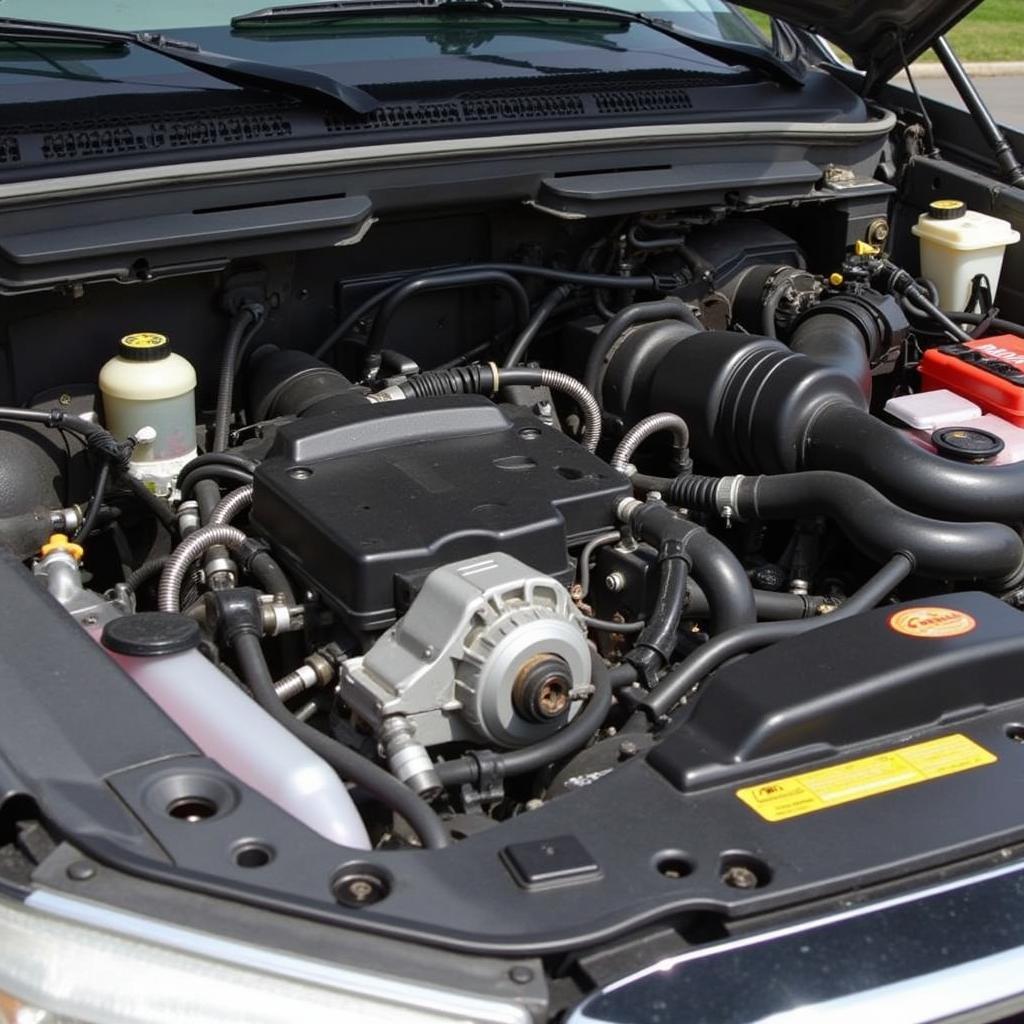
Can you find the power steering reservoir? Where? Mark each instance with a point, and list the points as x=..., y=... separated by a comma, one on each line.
x=148, y=385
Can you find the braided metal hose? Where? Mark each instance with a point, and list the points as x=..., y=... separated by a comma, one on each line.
x=169, y=591
x=231, y=505
x=583, y=398
x=643, y=430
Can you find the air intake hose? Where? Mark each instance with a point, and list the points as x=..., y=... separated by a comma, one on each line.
x=755, y=406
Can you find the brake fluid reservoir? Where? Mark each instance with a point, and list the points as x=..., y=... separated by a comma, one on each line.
x=148, y=385
x=958, y=245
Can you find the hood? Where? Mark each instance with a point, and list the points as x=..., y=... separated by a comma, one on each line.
x=870, y=30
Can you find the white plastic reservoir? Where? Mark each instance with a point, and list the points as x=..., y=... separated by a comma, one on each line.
x=148, y=385
x=230, y=727
x=957, y=245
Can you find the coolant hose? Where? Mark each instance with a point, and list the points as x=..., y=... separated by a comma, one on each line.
x=875, y=526
x=489, y=379
x=771, y=605
x=671, y=308
x=850, y=440
x=350, y=766
x=683, y=677
x=567, y=741
x=657, y=640
x=713, y=565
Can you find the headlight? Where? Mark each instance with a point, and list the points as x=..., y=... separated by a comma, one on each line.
x=65, y=961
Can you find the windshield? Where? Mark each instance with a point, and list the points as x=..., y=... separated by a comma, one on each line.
x=711, y=18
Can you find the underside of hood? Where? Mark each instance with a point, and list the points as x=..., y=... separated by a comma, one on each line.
x=871, y=31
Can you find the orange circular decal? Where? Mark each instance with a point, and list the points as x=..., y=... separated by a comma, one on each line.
x=932, y=623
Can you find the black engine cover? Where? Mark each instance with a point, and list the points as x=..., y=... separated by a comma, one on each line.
x=362, y=503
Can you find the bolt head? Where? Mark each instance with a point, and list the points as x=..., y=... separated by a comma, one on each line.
x=521, y=974
x=80, y=871
x=615, y=582
x=739, y=877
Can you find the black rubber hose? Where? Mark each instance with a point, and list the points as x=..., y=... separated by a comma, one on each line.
x=98, y=492
x=585, y=280
x=271, y=577
x=96, y=438
x=487, y=380
x=771, y=605
x=999, y=324
x=670, y=308
x=850, y=440
x=349, y=765
x=684, y=676
x=561, y=744
x=187, y=482
x=941, y=550
x=145, y=572
x=158, y=508
x=657, y=641
x=540, y=317
x=245, y=323
x=714, y=566
x=431, y=282
x=218, y=459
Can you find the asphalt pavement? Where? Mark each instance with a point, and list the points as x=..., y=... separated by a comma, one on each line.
x=1004, y=93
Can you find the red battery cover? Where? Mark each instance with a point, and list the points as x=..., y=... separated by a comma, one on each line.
x=987, y=371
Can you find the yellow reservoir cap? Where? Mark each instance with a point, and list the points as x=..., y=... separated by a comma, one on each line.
x=144, y=346
x=947, y=209
x=835, y=279
x=60, y=542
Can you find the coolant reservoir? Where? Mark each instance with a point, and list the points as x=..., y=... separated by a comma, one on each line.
x=158, y=651
x=957, y=245
x=148, y=385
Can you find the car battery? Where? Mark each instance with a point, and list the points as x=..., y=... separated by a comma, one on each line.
x=986, y=371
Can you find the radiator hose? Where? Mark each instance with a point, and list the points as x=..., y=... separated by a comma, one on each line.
x=982, y=551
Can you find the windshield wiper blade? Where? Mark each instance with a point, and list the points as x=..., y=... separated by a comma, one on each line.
x=298, y=82
x=727, y=51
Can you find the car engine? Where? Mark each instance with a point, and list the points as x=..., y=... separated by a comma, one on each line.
x=450, y=529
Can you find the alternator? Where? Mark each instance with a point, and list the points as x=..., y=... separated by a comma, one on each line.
x=489, y=650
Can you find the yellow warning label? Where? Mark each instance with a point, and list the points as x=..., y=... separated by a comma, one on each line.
x=780, y=799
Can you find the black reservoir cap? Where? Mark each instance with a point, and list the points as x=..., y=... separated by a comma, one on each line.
x=151, y=634
x=967, y=444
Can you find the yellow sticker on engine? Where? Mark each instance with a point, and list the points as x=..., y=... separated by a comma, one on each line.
x=781, y=799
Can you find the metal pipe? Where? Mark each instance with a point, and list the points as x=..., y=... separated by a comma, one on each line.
x=169, y=592
x=643, y=430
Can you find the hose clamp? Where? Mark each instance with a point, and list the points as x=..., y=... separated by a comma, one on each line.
x=727, y=495
x=626, y=507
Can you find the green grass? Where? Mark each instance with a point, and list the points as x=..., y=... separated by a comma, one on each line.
x=993, y=31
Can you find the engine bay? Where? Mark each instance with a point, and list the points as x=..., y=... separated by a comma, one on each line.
x=508, y=551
